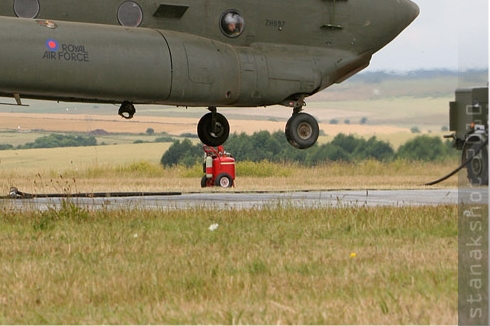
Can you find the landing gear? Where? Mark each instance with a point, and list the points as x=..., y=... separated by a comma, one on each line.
x=126, y=110
x=302, y=130
x=213, y=129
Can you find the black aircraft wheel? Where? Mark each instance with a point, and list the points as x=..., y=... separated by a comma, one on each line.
x=286, y=132
x=127, y=110
x=224, y=180
x=478, y=167
x=302, y=130
x=213, y=135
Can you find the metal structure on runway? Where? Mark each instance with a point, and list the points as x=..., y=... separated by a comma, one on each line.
x=468, y=118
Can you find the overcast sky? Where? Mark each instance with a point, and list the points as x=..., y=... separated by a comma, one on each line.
x=448, y=34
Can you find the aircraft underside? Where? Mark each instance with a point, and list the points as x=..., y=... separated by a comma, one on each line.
x=224, y=63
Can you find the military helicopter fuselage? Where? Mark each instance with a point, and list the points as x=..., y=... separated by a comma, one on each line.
x=209, y=53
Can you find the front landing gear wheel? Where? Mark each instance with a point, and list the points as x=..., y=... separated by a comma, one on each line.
x=213, y=133
x=302, y=130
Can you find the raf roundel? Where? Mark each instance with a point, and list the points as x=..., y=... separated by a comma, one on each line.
x=52, y=45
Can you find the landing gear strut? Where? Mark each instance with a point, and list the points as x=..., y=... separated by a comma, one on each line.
x=127, y=110
x=213, y=129
x=302, y=129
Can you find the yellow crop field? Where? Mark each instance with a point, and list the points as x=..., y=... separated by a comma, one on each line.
x=384, y=115
x=174, y=126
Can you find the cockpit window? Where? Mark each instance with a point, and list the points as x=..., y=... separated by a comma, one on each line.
x=232, y=23
x=129, y=14
x=26, y=8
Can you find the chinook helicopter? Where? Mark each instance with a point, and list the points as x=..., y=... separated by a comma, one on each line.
x=199, y=53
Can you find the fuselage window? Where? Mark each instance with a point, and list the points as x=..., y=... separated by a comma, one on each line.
x=26, y=8
x=129, y=14
x=232, y=23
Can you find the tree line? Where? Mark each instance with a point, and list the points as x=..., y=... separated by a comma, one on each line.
x=274, y=148
x=264, y=146
x=55, y=140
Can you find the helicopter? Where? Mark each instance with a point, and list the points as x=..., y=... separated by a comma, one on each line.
x=194, y=53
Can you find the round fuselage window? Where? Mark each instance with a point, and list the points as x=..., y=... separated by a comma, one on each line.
x=232, y=23
x=26, y=8
x=129, y=14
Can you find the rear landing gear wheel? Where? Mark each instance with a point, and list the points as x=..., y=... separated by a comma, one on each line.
x=213, y=129
x=302, y=130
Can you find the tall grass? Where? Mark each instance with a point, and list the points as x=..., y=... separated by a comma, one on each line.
x=147, y=176
x=277, y=265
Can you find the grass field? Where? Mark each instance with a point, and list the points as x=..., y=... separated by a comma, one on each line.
x=136, y=167
x=72, y=265
x=272, y=266
x=279, y=265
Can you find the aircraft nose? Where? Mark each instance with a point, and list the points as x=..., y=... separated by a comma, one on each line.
x=408, y=11
x=402, y=14
x=390, y=18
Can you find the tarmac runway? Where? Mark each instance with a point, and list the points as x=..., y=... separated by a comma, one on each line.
x=260, y=200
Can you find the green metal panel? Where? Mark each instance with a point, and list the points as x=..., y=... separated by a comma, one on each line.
x=453, y=116
x=470, y=107
x=480, y=103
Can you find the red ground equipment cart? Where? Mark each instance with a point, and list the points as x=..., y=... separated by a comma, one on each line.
x=219, y=168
